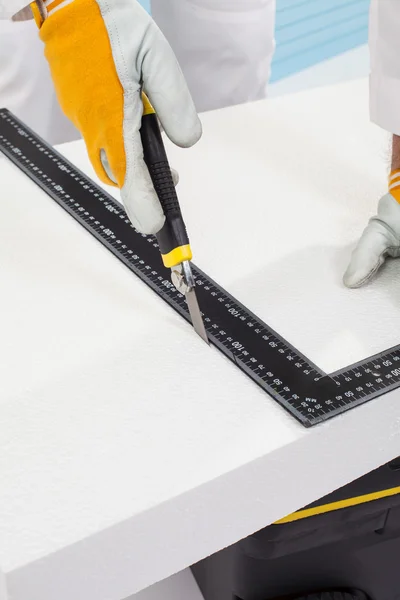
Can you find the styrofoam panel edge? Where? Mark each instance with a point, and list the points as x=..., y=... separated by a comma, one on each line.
x=181, y=585
x=151, y=546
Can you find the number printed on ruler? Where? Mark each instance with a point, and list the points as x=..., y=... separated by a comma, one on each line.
x=267, y=358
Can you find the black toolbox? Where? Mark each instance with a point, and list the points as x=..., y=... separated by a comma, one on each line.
x=345, y=546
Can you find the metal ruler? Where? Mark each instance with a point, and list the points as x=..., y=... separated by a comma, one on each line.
x=308, y=393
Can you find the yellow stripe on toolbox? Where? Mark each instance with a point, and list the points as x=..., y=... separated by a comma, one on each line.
x=325, y=508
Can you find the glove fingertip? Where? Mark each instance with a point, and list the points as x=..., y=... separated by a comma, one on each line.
x=144, y=210
x=175, y=176
x=193, y=134
x=184, y=134
x=147, y=224
x=351, y=281
x=356, y=276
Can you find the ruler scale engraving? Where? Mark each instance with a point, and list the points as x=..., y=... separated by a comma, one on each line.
x=298, y=385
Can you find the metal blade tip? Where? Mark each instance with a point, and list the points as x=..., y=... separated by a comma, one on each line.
x=195, y=315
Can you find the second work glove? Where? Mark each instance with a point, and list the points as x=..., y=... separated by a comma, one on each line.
x=101, y=53
x=380, y=239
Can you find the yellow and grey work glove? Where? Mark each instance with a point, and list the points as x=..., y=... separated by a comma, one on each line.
x=380, y=239
x=101, y=54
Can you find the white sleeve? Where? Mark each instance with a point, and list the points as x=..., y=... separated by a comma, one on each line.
x=384, y=42
x=225, y=48
x=9, y=8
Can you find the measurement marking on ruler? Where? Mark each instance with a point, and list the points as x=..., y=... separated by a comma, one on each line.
x=298, y=385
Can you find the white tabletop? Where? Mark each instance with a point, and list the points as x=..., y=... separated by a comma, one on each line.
x=128, y=448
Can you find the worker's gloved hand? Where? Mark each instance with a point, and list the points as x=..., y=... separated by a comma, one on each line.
x=381, y=238
x=101, y=53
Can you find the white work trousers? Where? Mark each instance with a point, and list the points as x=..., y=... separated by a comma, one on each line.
x=384, y=42
x=225, y=47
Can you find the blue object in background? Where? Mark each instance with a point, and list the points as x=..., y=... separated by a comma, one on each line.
x=146, y=4
x=311, y=31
